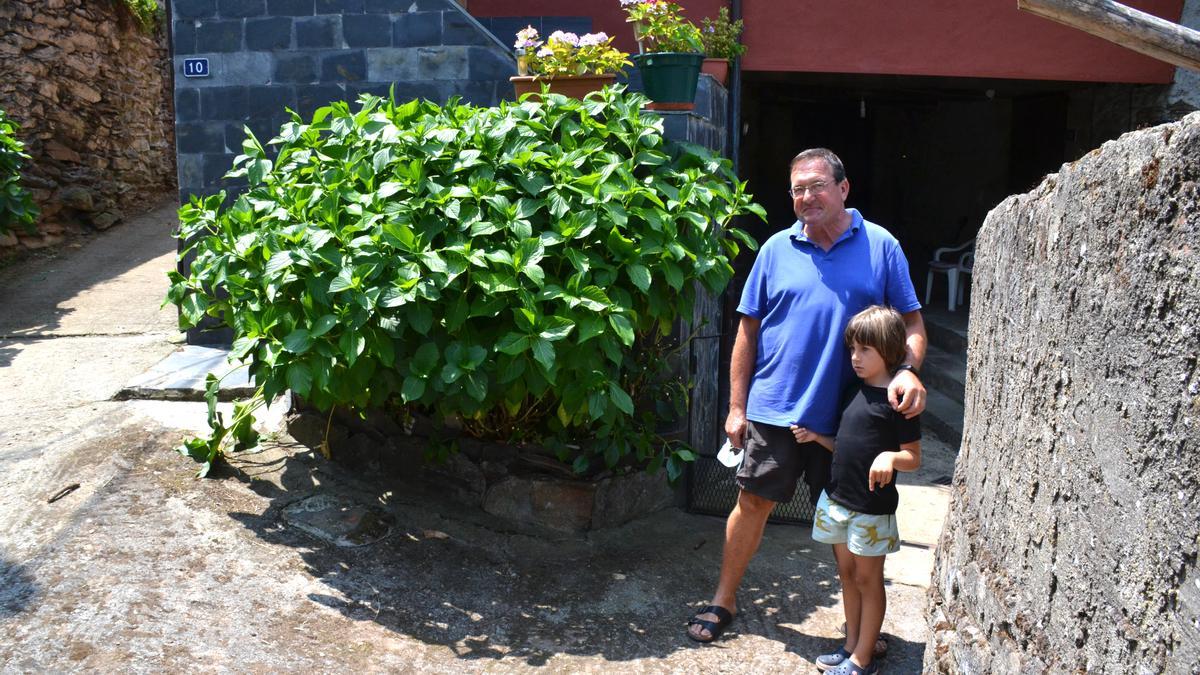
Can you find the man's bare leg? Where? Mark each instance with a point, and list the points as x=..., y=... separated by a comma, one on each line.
x=743, y=533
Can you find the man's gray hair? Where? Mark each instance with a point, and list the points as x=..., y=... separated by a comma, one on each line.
x=834, y=162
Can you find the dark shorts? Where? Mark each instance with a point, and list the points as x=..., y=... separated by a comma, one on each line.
x=774, y=463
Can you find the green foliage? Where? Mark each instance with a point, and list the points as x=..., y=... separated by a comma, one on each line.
x=146, y=12
x=660, y=27
x=514, y=268
x=16, y=206
x=239, y=436
x=722, y=37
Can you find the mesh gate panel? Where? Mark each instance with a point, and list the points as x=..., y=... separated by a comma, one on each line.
x=712, y=490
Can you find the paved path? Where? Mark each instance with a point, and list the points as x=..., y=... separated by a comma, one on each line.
x=143, y=568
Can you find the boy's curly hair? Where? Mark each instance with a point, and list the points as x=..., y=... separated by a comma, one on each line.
x=882, y=329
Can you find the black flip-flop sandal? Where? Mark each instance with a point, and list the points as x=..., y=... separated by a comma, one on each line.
x=714, y=628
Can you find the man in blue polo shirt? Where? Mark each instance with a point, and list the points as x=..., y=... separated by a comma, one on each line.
x=790, y=364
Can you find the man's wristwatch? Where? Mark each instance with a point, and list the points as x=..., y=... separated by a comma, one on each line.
x=909, y=367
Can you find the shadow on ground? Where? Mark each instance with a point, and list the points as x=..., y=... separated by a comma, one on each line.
x=454, y=577
x=17, y=588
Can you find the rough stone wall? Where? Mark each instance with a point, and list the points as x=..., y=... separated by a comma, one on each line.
x=91, y=93
x=1072, y=539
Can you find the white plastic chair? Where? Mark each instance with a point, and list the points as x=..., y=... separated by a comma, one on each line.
x=966, y=266
x=949, y=260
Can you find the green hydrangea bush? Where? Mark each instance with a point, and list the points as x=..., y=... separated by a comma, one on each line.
x=514, y=269
x=16, y=204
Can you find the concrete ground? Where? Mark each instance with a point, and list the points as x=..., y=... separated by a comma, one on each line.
x=144, y=568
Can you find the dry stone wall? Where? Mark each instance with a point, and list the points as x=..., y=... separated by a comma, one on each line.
x=91, y=93
x=1072, y=540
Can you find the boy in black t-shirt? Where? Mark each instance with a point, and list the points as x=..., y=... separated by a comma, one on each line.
x=857, y=511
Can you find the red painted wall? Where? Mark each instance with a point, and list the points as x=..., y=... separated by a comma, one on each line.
x=960, y=38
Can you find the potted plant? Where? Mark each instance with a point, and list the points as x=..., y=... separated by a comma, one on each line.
x=722, y=44
x=671, y=52
x=566, y=63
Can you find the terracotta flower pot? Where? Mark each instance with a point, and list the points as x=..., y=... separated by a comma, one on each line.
x=718, y=68
x=573, y=86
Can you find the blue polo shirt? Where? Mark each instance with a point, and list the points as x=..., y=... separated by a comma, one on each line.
x=804, y=298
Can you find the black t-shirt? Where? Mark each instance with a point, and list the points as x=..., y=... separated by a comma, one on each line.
x=869, y=427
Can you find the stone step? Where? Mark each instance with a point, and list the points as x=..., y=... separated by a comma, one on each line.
x=945, y=372
x=181, y=377
x=943, y=417
x=946, y=330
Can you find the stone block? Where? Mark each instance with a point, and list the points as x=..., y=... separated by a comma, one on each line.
x=219, y=36
x=290, y=7
x=386, y=6
x=460, y=29
x=479, y=92
x=435, y=6
x=491, y=64
x=565, y=506
x=309, y=98
x=194, y=9
x=391, y=65
x=269, y=34
x=216, y=166
x=298, y=67
x=443, y=63
x=366, y=30
x=197, y=137
x=183, y=36
x=223, y=103
x=339, y=7
x=318, y=32
x=346, y=66
x=418, y=29
x=239, y=68
x=187, y=105
x=240, y=9
x=621, y=499
x=190, y=170
x=268, y=102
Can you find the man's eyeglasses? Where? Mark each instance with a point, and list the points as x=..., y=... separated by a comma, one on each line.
x=797, y=191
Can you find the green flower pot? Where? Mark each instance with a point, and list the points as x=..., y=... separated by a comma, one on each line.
x=669, y=78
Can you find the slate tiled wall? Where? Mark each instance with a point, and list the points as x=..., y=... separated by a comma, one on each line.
x=268, y=55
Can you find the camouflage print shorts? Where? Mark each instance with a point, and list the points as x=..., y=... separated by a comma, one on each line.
x=864, y=534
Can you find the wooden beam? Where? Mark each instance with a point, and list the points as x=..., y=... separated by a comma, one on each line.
x=1124, y=25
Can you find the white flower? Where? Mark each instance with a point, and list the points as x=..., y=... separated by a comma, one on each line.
x=527, y=38
x=569, y=38
x=593, y=39
x=544, y=52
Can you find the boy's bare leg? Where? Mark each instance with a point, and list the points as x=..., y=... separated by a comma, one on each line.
x=743, y=533
x=868, y=577
x=851, y=598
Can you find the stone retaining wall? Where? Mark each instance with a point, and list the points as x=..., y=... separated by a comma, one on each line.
x=91, y=93
x=1072, y=540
